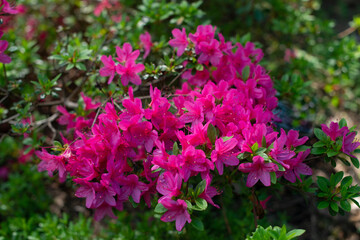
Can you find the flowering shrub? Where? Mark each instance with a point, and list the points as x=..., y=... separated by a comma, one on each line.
x=173, y=148
x=155, y=108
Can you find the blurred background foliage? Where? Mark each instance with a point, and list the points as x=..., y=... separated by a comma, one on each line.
x=311, y=50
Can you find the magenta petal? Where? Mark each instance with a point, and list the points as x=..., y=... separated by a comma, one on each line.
x=265, y=178
x=230, y=160
x=136, y=195
x=252, y=179
x=180, y=222
x=290, y=176
x=4, y=58
x=220, y=167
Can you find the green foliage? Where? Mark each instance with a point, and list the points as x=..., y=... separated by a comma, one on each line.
x=337, y=193
x=275, y=233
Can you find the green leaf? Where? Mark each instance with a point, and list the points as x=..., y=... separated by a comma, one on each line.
x=355, y=162
x=302, y=148
x=323, y=183
x=263, y=142
x=211, y=133
x=336, y=178
x=320, y=134
x=356, y=202
x=346, y=182
x=334, y=206
x=342, y=123
x=318, y=151
x=323, y=204
x=254, y=147
x=175, y=149
x=28, y=141
x=295, y=233
x=345, y=205
x=201, y=204
x=245, y=73
x=319, y=144
x=80, y=66
x=273, y=177
x=200, y=188
x=281, y=168
x=57, y=144
x=197, y=224
x=332, y=153
x=199, y=67
x=160, y=208
x=227, y=138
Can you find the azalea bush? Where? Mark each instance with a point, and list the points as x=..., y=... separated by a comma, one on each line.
x=175, y=119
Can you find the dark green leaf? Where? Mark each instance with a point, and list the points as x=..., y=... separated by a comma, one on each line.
x=319, y=144
x=355, y=162
x=334, y=206
x=197, y=223
x=318, y=151
x=200, y=188
x=323, y=204
x=320, y=134
x=342, y=123
x=211, y=133
x=323, y=183
x=345, y=205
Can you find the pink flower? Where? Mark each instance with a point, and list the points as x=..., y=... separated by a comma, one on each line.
x=102, y=211
x=133, y=186
x=349, y=145
x=204, y=33
x=209, y=192
x=129, y=72
x=89, y=105
x=145, y=40
x=296, y=167
x=210, y=52
x=177, y=211
x=6, y=8
x=293, y=140
x=258, y=170
x=67, y=118
x=334, y=131
x=109, y=69
x=180, y=41
x=3, y=46
x=86, y=190
x=169, y=185
x=126, y=54
x=289, y=54
x=224, y=154
x=194, y=113
x=52, y=163
x=101, y=7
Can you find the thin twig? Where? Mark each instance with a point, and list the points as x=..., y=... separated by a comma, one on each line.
x=347, y=32
x=172, y=81
x=53, y=130
x=5, y=77
x=226, y=220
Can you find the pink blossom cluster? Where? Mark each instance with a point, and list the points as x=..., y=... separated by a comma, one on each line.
x=79, y=123
x=5, y=8
x=335, y=132
x=152, y=151
x=126, y=68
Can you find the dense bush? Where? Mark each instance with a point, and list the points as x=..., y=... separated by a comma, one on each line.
x=146, y=105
